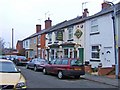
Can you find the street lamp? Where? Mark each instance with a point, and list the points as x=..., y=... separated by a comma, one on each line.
x=115, y=39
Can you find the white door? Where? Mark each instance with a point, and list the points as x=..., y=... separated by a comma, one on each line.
x=107, y=57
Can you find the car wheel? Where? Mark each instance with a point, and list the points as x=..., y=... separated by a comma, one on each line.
x=35, y=68
x=77, y=77
x=60, y=74
x=44, y=71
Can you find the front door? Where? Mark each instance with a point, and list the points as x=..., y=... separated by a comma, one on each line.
x=107, y=57
x=81, y=54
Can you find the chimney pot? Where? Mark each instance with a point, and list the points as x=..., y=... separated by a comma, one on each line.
x=105, y=5
x=48, y=23
x=85, y=13
x=38, y=28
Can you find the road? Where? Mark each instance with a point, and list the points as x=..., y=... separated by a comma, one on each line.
x=38, y=80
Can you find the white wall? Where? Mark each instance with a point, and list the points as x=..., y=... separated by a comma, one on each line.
x=104, y=39
x=24, y=44
x=118, y=28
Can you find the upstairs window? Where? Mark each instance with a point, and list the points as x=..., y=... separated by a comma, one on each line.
x=56, y=37
x=50, y=37
x=39, y=36
x=26, y=43
x=34, y=40
x=70, y=33
x=94, y=26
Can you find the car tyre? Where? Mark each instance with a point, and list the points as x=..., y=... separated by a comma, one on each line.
x=44, y=71
x=35, y=68
x=27, y=67
x=60, y=75
x=77, y=77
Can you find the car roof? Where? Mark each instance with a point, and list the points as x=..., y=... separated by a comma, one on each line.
x=4, y=60
x=66, y=58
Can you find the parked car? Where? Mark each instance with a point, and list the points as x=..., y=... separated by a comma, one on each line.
x=11, y=76
x=65, y=67
x=10, y=57
x=20, y=60
x=36, y=64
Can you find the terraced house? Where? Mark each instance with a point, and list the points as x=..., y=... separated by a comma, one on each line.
x=90, y=38
x=35, y=44
x=66, y=39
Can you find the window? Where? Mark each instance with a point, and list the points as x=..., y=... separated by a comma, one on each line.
x=70, y=33
x=38, y=52
x=50, y=37
x=39, y=36
x=75, y=53
x=26, y=43
x=52, y=54
x=95, y=52
x=70, y=53
x=34, y=40
x=56, y=37
x=66, y=53
x=94, y=26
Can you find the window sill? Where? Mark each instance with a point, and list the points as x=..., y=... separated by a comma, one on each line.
x=94, y=33
x=70, y=40
x=39, y=44
x=95, y=60
x=49, y=42
x=56, y=42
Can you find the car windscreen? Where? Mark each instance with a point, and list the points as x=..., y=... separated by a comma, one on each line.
x=8, y=67
x=75, y=63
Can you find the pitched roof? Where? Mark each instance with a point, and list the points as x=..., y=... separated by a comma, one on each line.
x=73, y=21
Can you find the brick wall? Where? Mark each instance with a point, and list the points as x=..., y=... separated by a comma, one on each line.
x=106, y=70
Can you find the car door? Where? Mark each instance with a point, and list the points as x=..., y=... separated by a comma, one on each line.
x=31, y=63
x=50, y=66
x=56, y=66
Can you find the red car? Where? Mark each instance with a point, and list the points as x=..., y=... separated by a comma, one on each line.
x=65, y=67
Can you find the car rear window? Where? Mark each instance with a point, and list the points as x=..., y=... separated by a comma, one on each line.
x=64, y=62
x=75, y=63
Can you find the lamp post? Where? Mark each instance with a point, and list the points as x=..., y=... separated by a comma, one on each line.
x=115, y=40
x=12, y=38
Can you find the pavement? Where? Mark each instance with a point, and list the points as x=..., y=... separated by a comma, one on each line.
x=103, y=79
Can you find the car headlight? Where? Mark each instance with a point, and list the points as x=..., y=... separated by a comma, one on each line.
x=21, y=85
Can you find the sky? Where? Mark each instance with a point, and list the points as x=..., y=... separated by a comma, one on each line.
x=23, y=15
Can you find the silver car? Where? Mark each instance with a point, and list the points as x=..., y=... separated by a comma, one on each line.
x=36, y=64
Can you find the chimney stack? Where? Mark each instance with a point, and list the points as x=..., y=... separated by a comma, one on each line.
x=38, y=28
x=85, y=13
x=48, y=23
x=105, y=5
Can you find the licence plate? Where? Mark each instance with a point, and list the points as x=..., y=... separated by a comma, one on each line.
x=77, y=69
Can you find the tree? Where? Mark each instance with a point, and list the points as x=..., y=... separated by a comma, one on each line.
x=2, y=44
